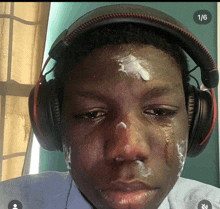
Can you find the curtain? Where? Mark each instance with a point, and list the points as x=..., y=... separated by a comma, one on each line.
x=23, y=27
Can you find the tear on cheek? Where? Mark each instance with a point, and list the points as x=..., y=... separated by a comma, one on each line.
x=67, y=152
x=181, y=150
x=175, y=154
x=174, y=150
x=169, y=150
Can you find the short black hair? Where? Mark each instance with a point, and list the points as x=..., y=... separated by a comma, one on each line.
x=116, y=34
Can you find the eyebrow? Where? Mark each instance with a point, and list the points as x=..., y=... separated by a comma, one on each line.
x=151, y=93
x=159, y=91
x=87, y=94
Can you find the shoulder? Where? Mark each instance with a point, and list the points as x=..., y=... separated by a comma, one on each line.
x=189, y=193
x=29, y=181
x=43, y=187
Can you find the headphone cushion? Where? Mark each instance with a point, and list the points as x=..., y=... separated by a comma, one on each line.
x=55, y=114
x=200, y=119
x=190, y=108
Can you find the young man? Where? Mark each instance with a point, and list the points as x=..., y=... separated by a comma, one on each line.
x=120, y=112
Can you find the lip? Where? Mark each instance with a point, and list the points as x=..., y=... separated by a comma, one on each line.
x=128, y=186
x=122, y=194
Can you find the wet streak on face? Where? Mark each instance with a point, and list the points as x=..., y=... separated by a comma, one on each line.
x=125, y=132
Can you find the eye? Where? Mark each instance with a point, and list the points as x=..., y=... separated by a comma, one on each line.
x=160, y=112
x=91, y=115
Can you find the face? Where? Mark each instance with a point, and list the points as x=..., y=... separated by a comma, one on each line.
x=125, y=126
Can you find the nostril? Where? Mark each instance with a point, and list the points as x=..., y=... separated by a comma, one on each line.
x=140, y=158
x=120, y=159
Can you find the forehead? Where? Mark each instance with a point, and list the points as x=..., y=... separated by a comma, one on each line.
x=111, y=64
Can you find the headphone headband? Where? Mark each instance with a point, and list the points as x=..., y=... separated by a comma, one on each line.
x=147, y=17
x=44, y=103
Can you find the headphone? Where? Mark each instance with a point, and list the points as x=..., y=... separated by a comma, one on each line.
x=44, y=104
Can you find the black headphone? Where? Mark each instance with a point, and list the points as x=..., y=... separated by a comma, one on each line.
x=44, y=104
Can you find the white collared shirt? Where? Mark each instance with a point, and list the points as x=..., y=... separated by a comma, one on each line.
x=49, y=190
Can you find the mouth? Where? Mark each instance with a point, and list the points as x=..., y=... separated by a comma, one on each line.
x=123, y=194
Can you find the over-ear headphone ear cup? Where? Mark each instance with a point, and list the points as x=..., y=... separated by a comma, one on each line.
x=41, y=123
x=200, y=114
x=46, y=124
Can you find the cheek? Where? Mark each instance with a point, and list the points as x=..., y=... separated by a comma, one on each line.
x=86, y=147
x=89, y=155
x=175, y=149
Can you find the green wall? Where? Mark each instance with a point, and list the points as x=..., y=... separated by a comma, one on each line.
x=205, y=167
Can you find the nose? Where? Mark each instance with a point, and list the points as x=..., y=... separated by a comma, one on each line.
x=128, y=141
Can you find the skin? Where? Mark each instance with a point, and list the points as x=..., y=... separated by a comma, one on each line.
x=120, y=128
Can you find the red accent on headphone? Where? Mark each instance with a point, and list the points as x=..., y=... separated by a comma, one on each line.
x=214, y=117
x=36, y=96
